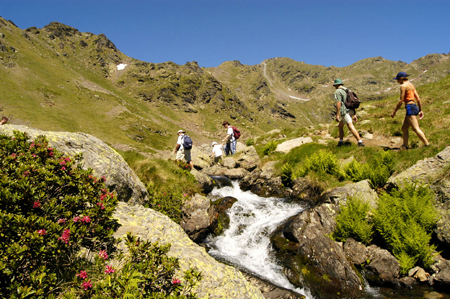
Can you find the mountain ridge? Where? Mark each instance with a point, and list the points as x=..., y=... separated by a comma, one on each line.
x=58, y=78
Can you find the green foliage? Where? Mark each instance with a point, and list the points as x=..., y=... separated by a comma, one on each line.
x=270, y=147
x=168, y=201
x=250, y=142
x=49, y=208
x=378, y=169
x=353, y=222
x=286, y=174
x=324, y=162
x=147, y=272
x=405, y=220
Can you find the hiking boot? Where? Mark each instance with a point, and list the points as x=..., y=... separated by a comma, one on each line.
x=340, y=143
x=361, y=144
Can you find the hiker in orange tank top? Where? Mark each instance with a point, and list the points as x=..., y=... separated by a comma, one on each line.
x=409, y=96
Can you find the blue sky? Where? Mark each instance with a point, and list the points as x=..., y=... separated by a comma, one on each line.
x=210, y=32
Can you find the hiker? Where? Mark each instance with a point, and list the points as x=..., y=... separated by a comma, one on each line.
x=344, y=115
x=229, y=140
x=409, y=95
x=216, y=154
x=180, y=151
x=4, y=120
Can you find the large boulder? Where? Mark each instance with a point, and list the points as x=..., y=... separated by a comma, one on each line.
x=248, y=158
x=197, y=217
x=425, y=172
x=286, y=146
x=307, y=251
x=361, y=189
x=218, y=280
x=383, y=267
x=97, y=155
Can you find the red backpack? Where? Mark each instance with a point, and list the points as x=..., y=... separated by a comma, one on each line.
x=236, y=133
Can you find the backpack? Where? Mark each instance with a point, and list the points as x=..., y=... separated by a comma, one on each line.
x=352, y=101
x=236, y=133
x=187, y=142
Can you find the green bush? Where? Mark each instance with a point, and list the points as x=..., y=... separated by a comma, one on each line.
x=270, y=147
x=49, y=208
x=353, y=222
x=405, y=220
x=286, y=174
x=249, y=142
x=147, y=272
x=323, y=162
x=378, y=169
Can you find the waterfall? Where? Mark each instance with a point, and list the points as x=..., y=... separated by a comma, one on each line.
x=246, y=242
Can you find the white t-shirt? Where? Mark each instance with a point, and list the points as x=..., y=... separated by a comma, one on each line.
x=230, y=132
x=180, y=141
x=217, y=150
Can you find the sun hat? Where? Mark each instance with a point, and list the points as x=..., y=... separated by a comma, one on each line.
x=180, y=131
x=338, y=82
x=401, y=75
x=214, y=143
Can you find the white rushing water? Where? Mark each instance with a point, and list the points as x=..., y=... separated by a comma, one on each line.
x=246, y=242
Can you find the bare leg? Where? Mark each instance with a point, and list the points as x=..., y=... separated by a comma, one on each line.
x=355, y=133
x=341, y=130
x=416, y=129
x=405, y=128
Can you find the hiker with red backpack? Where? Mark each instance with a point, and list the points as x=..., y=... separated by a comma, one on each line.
x=230, y=140
x=346, y=111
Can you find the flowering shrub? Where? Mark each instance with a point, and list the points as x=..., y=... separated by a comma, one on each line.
x=147, y=272
x=49, y=208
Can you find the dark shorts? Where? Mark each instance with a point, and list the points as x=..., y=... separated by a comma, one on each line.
x=412, y=109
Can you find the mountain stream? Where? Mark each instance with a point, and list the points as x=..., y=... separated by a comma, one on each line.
x=246, y=243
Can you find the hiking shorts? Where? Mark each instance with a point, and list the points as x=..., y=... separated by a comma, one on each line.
x=347, y=118
x=412, y=109
x=184, y=154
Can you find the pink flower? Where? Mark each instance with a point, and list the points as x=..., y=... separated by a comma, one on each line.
x=184, y=194
x=82, y=275
x=62, y=220
x=42, y=232
x=67, y=159
x=65, y=237
x=176, y=281
x=34, y=155
x=76, y=219
x=100, y=204
x=36, y=204
x=13, y=155
x=103, y=254
x=50, y=149
x=63, y=168
x=26, y=173
x=51, y=154
x=109, y=269
x=87, y=285
x=86, y=219
x=62, y=163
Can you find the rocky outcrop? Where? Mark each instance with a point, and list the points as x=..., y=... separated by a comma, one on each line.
x=306, y=249
x=383, y=266
x=103, y=160
x=286, y=146
x=218, y=280
x=361, y=190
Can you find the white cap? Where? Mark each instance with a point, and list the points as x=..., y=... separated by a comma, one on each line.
x=180, y=131
x=214, y=143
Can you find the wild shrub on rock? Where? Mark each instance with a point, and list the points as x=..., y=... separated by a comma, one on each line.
x=405, y=220
x=352, y=222
x=49, y=208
